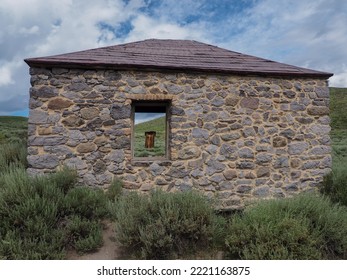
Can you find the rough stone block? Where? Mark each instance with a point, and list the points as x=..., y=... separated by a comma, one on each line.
x=318, y=110
x=263, y=171
x=156, y=169
x=46, y=140
x=44, y=130
x=245, y=165
x=232, y=101
x=322, y=92
x=76, y=163
x=217, y=101
x=119, y=112
x=261, y=192
x=289, y=94
x=279, y=142
x=89, y=113
x=38, y=117
x=78, y=86
x=73, y=121
x=288, y=133
x=200, y=133
x=189, y=153
x=229, y=174
x=45, y=161
x=296, y=148
x=263, y=158
x=246, y=153
x=177, y=111
x=244, y=189
x=116, y=156
x=320, y=130
x=43, y=92
x=217, y=178
x=86, y=147
x=320, y=150
x=249, y=102
x=59, y=103
x=248, y=131
x=214, y=166
x=281, y=162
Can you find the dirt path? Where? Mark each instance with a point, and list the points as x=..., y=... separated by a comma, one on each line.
x=109, y=250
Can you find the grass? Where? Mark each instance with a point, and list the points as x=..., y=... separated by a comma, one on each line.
x=159, y=126
x=338, y=115
x=12, y=155
x=13, y=129
x=335, y=184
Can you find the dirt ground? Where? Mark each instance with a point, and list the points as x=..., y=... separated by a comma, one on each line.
x=109, y=250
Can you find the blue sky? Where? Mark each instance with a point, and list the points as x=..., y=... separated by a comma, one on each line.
x=307, y=33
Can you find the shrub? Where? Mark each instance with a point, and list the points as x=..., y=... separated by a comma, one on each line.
x=49, y=246
x=13, y=155
x=303, y=227
x=86, y=202
x=115, y=189
x=41, y=216
x=65, y=179
x=335, y=184
x=84, y=235
x=164, y=225
x=29, y=214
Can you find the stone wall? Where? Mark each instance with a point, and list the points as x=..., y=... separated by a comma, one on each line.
x=235, y=138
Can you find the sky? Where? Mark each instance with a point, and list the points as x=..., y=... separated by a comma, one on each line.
x=306, y=33
x=145, y=117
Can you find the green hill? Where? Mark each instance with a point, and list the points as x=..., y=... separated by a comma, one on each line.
x=158, y=125
x=13, y=129
x=338, y=115
x=338, y=108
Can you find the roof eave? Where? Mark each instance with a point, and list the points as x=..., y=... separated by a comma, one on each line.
x=44, y=63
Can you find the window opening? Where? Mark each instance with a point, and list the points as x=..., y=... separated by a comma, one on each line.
x=150, y=130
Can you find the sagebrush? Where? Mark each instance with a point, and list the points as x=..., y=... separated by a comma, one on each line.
x=165, y=225
x=41, y=217
x=304, y=227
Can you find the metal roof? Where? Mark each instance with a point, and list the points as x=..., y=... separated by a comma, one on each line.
x=180, y=55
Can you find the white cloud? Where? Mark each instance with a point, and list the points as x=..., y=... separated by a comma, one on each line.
x=6, y=70
x=5, y=75
x=310, y=34
x=31, y=28
x=29, y=31
x=340, y=79
x=145, y=27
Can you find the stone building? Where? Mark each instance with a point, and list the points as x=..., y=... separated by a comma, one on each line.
x=235, y=127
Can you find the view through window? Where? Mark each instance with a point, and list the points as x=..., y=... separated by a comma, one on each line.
x=150, y=130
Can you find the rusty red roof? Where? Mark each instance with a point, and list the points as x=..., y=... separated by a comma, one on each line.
x=182, y=55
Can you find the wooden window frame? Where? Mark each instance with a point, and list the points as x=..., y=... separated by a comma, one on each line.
x=147, y=103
